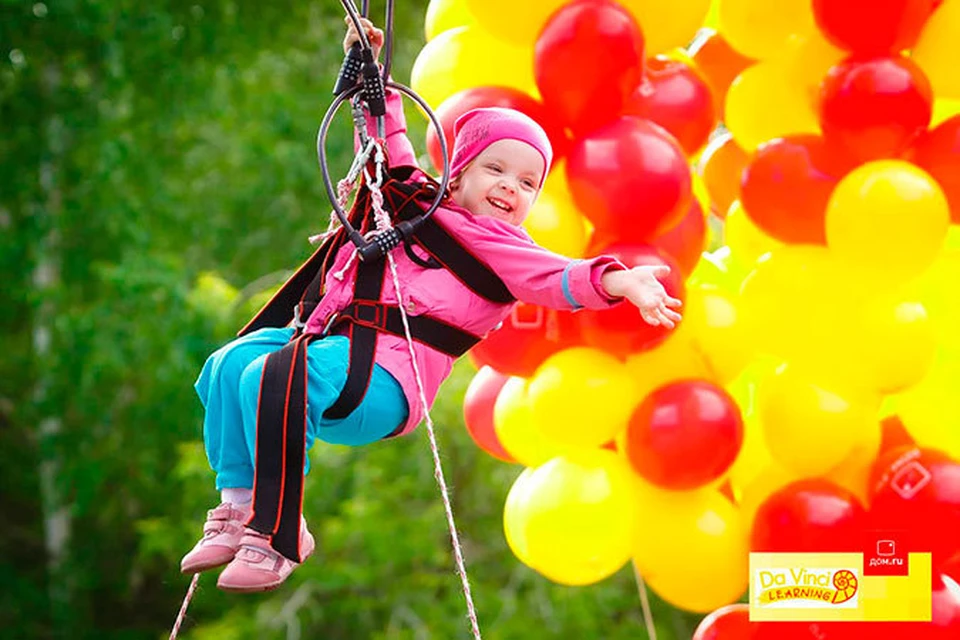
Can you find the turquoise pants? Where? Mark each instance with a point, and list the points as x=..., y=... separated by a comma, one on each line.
x=229, y=388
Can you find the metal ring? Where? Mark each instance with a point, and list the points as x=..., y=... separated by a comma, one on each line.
x=322, y=153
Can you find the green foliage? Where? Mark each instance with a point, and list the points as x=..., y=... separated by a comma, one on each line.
x=158, y=181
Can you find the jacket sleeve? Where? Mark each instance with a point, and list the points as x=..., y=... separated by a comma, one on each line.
x=532, y=274
x=398, y=147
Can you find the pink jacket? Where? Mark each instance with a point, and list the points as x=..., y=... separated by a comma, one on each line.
x=531, y=273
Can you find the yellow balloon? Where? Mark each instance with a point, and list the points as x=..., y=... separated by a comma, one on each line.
x=510, y=21
x=790, y=301
x=889, y=345
x=718, y=331
x=936, y=291
x=853, y=472
x=759, y=29
x=513, y=517
x=691, y=547
x=712, y=20
x=699, y=188
x=930, y=410
x=810, y=428
x=806, y=59
x=443, y=15
x=581, y=397
x=889, y=219
x=467, y=57
x=514, y=426
x=754, y=456
x=574, y=519
x=554, y=222
x=938, y=49
x=764, y=483
x=746, y=241
x=667, y=25
x=677, y=358
x=943, y=108
x=717, y=269
x=764, y=103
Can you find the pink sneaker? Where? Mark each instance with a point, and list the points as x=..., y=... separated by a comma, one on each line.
x=258, y=567
x=221, y=538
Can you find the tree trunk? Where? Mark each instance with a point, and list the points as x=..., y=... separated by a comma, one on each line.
x=46, y=282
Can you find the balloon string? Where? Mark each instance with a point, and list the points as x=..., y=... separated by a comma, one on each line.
x=644, y=603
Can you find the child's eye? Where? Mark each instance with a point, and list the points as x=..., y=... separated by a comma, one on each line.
x=493, y=167
x=528, y=184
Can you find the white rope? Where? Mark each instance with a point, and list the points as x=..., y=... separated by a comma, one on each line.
x=183, y=607
x=383, y=222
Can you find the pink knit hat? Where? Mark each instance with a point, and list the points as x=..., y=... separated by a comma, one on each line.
x=477, y=129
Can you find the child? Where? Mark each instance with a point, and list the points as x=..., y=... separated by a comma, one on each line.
x=500, y=160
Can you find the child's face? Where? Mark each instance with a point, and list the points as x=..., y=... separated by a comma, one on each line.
x=502, y=181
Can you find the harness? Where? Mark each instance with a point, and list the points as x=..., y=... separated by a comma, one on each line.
x=282, y=409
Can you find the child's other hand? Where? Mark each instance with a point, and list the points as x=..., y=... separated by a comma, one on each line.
x=374, y=35
x=642, y=287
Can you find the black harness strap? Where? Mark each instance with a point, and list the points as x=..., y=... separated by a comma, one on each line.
x=278, y=472
x=443, y=247
x=363, y=342
x=434, y=333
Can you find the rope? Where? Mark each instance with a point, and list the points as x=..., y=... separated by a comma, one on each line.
x=183, y=607
x=645, y=603
x=383, y=222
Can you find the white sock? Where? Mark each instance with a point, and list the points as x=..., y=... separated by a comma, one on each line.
x=239, y=497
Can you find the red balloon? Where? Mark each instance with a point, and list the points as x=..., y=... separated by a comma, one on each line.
x=630, y=178
x=937, y=152
x=810, y=631
x=871, y=27
x=720, y=64
x=478, y=404
x=684, y=435
x=588, y=60
x=875, y=108
x=787, y=184
x=529, y=335
x=621, y=330
x=731, y=622
x=686, y=241
x=476, y=97
x=918, y=490
x=810, y=515
x=678, y=98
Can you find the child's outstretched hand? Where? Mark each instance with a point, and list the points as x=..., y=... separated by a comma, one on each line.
x=374, y=35
x=642, y=287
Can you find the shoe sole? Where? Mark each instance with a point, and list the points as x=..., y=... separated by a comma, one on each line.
x=248, y=589
x=200, y=568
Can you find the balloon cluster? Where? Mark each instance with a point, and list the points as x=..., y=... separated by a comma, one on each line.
x=812, y=373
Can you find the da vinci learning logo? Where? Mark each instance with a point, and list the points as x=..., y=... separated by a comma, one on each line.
x=806, y=586
x=803, y=588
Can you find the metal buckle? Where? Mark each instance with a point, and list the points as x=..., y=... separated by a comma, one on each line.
x=298, y=322
x=329, y=324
